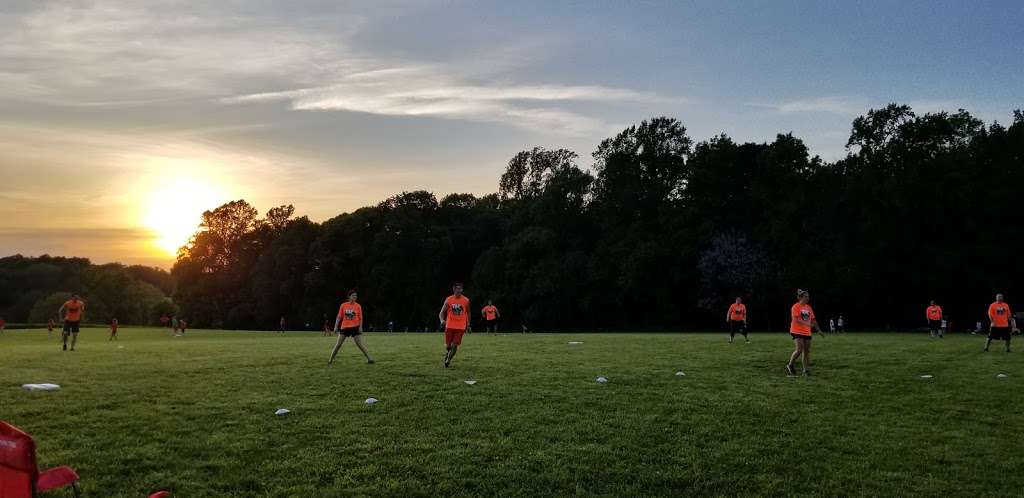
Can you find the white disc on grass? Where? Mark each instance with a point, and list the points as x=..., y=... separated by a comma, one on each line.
x=282, y=411
x=371, y=401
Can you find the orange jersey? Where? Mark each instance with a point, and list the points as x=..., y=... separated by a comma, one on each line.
x=113, y=327
x=800, y=312
x=73, y=310
x=999, y=314
x=351, y=315
x=934, y=312
x=456, y=312
x=490, y=312
x=737, y=312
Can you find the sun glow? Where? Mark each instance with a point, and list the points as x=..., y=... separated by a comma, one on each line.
x=175, y=210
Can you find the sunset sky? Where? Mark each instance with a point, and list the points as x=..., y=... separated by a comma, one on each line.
x=120, y=122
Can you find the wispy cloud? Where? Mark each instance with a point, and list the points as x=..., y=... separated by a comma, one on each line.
x=423, y=91
x=837, y=104
x=123, y=54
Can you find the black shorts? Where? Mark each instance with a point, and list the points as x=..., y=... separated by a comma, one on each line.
x=798, y=336
x=490, y=323
x=935, y=324
x=70, y=326
x=737, y=326
x=999, y=333
x=350, y=331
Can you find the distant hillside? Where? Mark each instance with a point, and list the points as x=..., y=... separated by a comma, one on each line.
x=32, y=289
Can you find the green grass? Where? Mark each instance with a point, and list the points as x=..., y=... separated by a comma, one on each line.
x=194, y=415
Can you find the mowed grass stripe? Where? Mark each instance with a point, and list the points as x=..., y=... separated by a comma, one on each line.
x=195, y=415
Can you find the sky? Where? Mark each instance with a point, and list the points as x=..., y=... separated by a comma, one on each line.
x=121, y=121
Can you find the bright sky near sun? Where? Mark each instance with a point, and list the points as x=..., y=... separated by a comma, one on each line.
x=122, y=121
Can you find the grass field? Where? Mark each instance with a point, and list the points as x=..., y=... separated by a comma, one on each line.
x=194, y=415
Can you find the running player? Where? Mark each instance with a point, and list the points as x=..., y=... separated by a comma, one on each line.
x=491, y=316
x=1001, y=321
x=71, y=312
x=49, y=328
x=350, y=320
x=454, y=318
x=113, y=330
x=802, y=322
x=174, y=325
x=737, y=319
x=934, y=315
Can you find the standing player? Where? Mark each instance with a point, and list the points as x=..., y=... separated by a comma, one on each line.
x=113, y=330
x=3, y=324
x=71, y=312
x=182, y=325
x=831, y=326
x=841, y=324
x=802, y=322
x=1001, y=321
x=737, y=319
x=282, y=324
x=491, y=316
x=454, y=318
x=934, y=316
x=49, y=328
x=174, y=325
x=350, y=320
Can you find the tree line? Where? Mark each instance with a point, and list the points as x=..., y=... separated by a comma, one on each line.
x=33, y=289
x=657, y=232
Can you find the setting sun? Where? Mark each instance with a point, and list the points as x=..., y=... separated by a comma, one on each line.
x=176, y=209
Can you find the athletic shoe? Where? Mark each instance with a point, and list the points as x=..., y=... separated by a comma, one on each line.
x=65, y=347
x=370, y=361
x=748, y=341
x=447, y=364
x=985, y=350
x=807, y=373
x=790, y=370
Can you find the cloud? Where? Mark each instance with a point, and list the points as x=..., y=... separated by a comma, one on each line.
x=125, y=54
x=423, y=91
x=842, y=105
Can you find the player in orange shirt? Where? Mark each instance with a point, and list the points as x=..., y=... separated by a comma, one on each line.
x=113, y=330
x=71, y=312
x=934, y=315
x=3, y=324
x=736, y=317
x=49, y=328
x=802, y=322
x=491, y=316
x=349, y=323
x=1001, y=322
x=454, y=316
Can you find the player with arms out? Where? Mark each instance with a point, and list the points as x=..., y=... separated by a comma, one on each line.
x=491, y=316
x=1001, y=321
x=454, y=318
x=802, y=322
x=934, y=315
x=737, y=319
x=349, y=323
x=71, y=312
x=113, y=330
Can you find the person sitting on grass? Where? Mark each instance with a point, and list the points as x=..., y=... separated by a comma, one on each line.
x=113, y=330
x=801, y=324
x=350, y=320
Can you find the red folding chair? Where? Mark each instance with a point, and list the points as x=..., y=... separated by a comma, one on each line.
x=19, y=474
